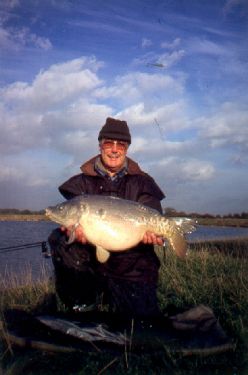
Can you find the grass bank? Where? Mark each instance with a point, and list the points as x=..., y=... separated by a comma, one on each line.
x=214, y=279
x=19, y=217
x=224, y=222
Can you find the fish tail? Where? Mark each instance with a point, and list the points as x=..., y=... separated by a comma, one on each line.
x=174, y=231
x=178, y=244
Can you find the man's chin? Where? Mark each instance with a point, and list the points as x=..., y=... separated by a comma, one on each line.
x=114, y=163
x=114, y=168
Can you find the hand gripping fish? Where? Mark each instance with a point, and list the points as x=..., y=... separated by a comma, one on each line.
x=114, y=224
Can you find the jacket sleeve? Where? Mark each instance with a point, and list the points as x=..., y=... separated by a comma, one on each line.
x=150, y=194
x=73, y=187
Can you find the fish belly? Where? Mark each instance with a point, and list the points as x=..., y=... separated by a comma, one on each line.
x=112, y=235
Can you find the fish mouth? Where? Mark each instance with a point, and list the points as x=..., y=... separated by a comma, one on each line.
x=49, y=213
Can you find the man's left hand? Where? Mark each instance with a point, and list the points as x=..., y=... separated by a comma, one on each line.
x=152, y=238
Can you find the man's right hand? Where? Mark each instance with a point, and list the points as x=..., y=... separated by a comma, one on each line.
x=153, y=239
x=79, y=233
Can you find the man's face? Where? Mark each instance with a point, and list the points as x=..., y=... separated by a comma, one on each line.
x=113, y=154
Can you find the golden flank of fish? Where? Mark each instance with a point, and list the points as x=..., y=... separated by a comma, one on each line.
x=114, y=224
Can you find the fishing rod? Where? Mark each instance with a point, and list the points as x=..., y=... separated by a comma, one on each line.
x=33, y=244
x=43, y=244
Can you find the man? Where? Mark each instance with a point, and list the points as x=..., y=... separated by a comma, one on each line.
x=128, y=280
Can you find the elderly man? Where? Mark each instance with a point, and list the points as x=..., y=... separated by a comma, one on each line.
x=128, y=280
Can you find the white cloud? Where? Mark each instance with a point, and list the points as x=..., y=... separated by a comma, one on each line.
x=9, y=173
x=57, y=101
x=197, y=170
x=9, y=4
x=169, y=116
x=146, y=43
x=170, y=59
x=227, y=127
x=52, y=87
x=40, y=42
x=63, y=107
x=5, y=41
x=164, y=60
x=151, y=148
x=23, y=174
x=15, y=39
x=204, y=46
x=187, y=170
x=175, y=43
x=136, y=85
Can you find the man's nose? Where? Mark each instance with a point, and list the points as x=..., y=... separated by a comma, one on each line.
x=114, y=147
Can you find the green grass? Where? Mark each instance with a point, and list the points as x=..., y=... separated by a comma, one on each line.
x=227, y=221
x=21, y=291
x=208, y=278
x=211, y=278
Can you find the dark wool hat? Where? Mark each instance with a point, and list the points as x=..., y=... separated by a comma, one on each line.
x=115, y=129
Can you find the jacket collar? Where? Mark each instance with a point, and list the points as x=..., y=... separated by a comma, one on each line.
x=88, y=168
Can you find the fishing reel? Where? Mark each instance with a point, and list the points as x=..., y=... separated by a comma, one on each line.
x=45, y=251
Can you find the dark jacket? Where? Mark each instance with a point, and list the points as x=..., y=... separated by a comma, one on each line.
x=139, y=263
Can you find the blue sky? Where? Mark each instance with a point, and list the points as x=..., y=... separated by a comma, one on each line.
x=175, y=70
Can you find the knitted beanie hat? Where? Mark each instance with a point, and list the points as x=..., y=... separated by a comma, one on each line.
x=115, y=129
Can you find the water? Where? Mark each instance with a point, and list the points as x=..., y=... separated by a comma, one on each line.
x=30, y=260
x=27, y=262
x=204, y=233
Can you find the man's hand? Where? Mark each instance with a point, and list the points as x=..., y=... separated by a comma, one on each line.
x=79, y=233
x=152, y=238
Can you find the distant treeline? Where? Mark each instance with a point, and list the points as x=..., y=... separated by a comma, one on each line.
x=173, y=212
x=15, y=211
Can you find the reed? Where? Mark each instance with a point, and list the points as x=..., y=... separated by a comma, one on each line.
x=210, y=278
x=215, y=279
x=22, y=290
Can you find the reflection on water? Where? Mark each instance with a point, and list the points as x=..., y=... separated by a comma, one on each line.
x=29, y=261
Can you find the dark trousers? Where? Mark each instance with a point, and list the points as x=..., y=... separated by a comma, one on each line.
x=127, y=281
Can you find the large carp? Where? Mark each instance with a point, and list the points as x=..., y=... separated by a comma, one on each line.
x=115, y=224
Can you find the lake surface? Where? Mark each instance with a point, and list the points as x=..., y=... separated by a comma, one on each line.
x=204, y=233
x=30, y=261
x=24, y=262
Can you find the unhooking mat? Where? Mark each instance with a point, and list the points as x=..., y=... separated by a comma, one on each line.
x=194, y=331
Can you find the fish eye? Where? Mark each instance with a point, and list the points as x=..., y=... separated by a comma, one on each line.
x=83, y=207
x=100, y=212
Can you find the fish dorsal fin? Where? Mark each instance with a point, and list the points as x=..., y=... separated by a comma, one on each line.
x=102, y=254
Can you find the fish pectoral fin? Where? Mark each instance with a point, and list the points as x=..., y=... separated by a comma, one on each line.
x=71, y=238
x=72, y=235
x=102, y=254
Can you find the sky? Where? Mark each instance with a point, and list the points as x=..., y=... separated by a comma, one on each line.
x=175, y=70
